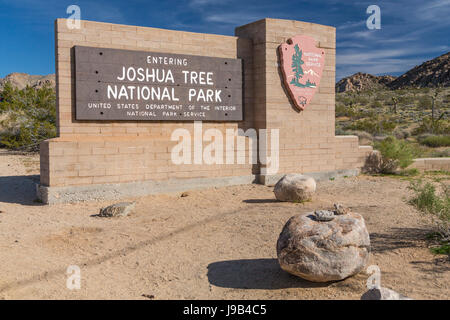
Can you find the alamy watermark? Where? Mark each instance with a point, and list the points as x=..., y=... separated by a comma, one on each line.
x=374, y=20
x=229, y=149
x=374, y=280
x=74, y=20
x=73, y=281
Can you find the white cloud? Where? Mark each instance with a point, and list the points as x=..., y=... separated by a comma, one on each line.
x=233, y=18
x=351, y=25
x=196, y=3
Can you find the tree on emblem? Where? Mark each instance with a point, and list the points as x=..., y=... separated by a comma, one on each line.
x=298, y=70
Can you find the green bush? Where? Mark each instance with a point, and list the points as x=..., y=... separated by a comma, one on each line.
x=341, y=132
x=429, y=125
x=374, y=126
x=425, y=102
x=440, y=154
x=394, y=153
x=405, y=99
x=376, y=105
x=344, y=111
x=29, y=117
x=428, y=201
x=360, y=99
x=409, y=172
x=436, y=141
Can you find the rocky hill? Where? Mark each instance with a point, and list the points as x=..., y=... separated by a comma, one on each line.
x=21, y=80
x=363, y=81
x=429, y=74
x=432, y=73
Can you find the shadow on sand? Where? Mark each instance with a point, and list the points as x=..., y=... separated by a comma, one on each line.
x=19, y=189
x=263, y=274
x=398, y=238
x=261, y=201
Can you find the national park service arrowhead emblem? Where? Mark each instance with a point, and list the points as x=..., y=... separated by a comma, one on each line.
x=302, y=65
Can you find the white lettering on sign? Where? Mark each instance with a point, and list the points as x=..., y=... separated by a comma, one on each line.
x=205, y=96
x=130, y=92
x=147, y=75
x=141, y=93
x=194, y=77
x=112, y=85
x=167, y=61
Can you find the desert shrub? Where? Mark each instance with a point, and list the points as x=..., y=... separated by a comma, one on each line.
x=436, y=141
x=401, y=133
x=394, y=153
x=29, y=117
x=440, y=154
x=427, y=200
x=341, y=132
x=345, y=99
x=425, y=102
x=429, y=125
x=405, y=99
x=366, y=113
x=344, y=111
x=409, y=172
x=374, y=126
x=376, y=105
x=362, y=100
x=364, y=137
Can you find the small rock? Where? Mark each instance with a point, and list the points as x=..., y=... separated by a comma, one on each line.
x=295, y=188
x=383, y=294
x=322, y=252
x=148, y=296
x=339, y=209
x=184, y=194
x=324, y=215
x=121, y=209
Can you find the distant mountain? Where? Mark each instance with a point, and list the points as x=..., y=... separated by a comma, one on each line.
x=21, y=80
x=432, y=73
x=429, y=74
x=363, y=81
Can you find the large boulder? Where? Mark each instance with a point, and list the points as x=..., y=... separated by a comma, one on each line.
x=323, y=251
x=295, y=188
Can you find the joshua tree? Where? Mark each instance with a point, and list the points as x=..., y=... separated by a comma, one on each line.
x=433, y=102
x=395, y=102
x=434, y=121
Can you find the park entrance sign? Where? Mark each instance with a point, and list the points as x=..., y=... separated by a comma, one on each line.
x=147, y=110
x=114, y=84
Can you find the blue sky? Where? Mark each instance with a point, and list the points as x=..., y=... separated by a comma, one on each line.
x=412, y=31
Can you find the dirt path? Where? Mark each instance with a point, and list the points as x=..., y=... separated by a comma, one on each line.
x=213, y=244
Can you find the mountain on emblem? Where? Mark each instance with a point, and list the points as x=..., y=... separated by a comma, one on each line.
x=302, y=65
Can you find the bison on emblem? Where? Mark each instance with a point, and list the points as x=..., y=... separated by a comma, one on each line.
x=301, y=65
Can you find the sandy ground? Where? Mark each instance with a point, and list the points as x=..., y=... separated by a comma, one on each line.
x=213, y=244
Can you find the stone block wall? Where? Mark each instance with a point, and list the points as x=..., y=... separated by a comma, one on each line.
x=96, y=152
x=90, y=153
x=307, y=138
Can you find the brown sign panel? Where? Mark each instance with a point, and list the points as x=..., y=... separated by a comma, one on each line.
x=113, y=84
